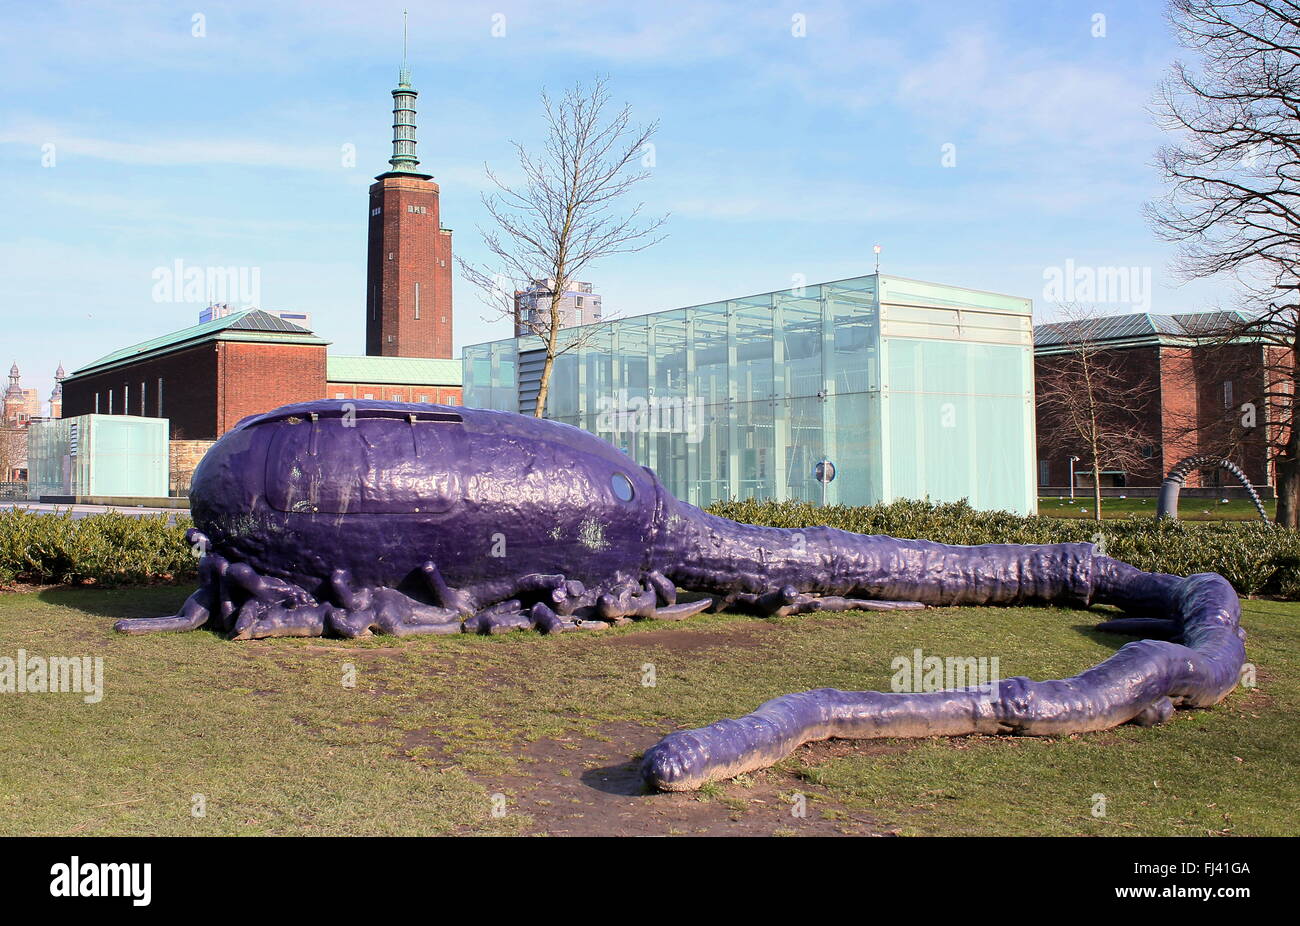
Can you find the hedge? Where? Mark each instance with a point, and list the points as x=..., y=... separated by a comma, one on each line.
x=104, y=549
x=1258, y=558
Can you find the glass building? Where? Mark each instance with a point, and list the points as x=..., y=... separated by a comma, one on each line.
x=911, y=390
x=98, y=456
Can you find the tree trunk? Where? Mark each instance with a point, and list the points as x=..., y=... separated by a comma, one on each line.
x=1096, y=491
x=552, y=339
x=543, y=386
x=1288, y=461
x=1288, y=476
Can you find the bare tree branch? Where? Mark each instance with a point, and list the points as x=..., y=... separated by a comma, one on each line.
x=1232, y=199
x=1088, y=403
x=564, y=215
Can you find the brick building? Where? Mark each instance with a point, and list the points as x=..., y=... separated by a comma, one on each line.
x=408, y=266
x=204, y=379
x=19, y=406
x=1193, y=395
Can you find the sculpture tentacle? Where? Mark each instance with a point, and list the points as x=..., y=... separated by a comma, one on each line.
x=1142, y=683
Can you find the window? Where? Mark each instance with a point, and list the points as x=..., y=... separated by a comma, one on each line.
x=96, y=403
x=397, y=398
x=424, y=398
x=1227, y=394
x=160, y=413
x=143, y=397
x=417, y=300
x=126, y=400
x=370, y=395
x=1044, y=472
x=622, y=487
x=339, y=395
x=110, y=401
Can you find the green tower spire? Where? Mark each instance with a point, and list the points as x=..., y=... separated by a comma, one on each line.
x=404, y=160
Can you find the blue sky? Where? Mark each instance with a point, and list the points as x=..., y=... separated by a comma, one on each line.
x=778, y=154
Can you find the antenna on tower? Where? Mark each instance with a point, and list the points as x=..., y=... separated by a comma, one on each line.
x=876, y=248
x=404, y=75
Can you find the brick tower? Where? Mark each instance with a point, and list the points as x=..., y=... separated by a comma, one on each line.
x=408, y=270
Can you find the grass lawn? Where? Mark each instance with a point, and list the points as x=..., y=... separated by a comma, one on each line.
x=1189, y=509
x=530, y=734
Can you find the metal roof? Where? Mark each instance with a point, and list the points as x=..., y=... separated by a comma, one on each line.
x=248, y=324
x=1135, y=329
x=411, y=371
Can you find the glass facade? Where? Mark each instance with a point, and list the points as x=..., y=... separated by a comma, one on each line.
x=911, y=389
x=98, y=455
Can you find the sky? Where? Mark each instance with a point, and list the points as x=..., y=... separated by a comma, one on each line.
x=1003, y=146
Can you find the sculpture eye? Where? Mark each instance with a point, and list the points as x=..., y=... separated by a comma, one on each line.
x=622, y=487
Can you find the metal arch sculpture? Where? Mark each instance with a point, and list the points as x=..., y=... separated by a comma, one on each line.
x=353, y=518
x=1167, y=504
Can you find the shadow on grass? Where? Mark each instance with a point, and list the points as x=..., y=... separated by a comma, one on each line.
x=623, y=779
x=141, y=601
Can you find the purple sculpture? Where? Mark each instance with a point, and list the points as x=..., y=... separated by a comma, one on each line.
x=360, y=517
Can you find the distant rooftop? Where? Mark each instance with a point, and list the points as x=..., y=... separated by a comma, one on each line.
x=245, y=325
x=1136, y=329
x=408, y=371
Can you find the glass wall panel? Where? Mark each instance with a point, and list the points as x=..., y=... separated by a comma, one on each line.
x=853, y=423
x=754, y=347
x=798, y=349
x=959, y=423
x=855, y=332
x=711, y=380
x=668, y=330
x=743, y=398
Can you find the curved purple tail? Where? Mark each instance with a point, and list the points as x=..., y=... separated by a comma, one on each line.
x=1142, y=683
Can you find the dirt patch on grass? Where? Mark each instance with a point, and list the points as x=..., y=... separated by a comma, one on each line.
x=591, y=786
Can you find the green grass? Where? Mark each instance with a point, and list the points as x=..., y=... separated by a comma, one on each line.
x=1189, y=509
x=435, y=726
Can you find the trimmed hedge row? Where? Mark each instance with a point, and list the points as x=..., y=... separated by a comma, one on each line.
x=1256, y=557
x=103, y=549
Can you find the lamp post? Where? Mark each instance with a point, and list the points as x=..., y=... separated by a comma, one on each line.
x=1073, y=460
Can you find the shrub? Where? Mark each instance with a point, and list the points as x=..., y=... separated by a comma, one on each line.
x=107, y=549
x=1256, y=557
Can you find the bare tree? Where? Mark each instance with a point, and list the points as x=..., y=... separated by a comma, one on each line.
x=1088, y=404
x=13, y=451
x=565, y=214
x=1233, y=196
